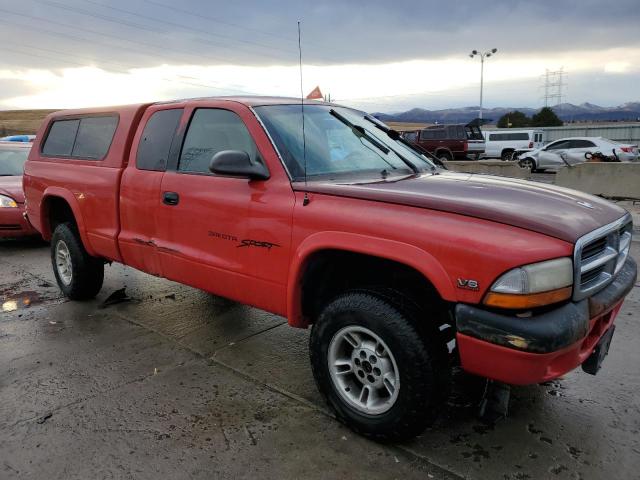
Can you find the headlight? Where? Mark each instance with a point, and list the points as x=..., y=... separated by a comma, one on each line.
x=7, y=202
x=533, y=285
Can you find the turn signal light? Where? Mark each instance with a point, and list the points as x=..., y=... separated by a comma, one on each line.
x=531, y=300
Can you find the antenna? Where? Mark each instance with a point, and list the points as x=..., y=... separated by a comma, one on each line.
x=305, y=202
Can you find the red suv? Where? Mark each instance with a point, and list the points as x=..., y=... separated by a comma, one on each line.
x=451, y=141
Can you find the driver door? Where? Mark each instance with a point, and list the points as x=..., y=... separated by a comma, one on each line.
x=550, y=156
x=224, y=234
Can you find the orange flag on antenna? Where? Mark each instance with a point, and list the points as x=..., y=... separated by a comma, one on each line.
x=315, y=94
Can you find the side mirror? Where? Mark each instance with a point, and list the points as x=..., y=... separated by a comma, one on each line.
x=237, y=163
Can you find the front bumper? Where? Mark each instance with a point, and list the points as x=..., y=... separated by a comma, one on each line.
x=535, y=349
x=13, y=224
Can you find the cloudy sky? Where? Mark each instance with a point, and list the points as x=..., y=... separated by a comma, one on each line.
x=376, y=55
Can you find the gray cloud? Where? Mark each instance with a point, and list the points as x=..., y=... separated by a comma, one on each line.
x=140, y=32
x=118, y=35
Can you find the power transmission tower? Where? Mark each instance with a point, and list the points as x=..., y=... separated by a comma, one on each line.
x=554, y=82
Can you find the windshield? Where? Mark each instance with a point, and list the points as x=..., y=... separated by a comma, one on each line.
x=12, y=161
x=338, y=141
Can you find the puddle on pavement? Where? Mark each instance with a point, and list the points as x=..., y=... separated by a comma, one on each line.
x=19, y=301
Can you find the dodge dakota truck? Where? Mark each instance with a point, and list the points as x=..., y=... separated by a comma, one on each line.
x=326, y=216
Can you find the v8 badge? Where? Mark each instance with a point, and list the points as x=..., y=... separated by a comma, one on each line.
x=467, y=284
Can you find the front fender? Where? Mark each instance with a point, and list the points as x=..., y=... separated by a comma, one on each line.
x=400, y=252
x=71, y=200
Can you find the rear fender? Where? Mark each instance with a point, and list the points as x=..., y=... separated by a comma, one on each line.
x=73, y=203
x=400, y=252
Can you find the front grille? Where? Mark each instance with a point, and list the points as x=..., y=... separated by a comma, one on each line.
x=594, y=248
x=9, y=227
x=599, y=255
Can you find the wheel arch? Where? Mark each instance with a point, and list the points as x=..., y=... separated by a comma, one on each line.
x=312, y=263
x=59, y=205
x=444, y=150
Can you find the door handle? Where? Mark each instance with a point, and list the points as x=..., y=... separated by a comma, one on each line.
x=170, y=198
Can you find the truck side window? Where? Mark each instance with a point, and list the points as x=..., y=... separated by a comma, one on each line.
x=155, y=143
x=94, y=137
x=61, y=138
x=86, y=138
x=213, y=130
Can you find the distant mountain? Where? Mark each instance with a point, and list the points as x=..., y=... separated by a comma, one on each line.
x=568, y=112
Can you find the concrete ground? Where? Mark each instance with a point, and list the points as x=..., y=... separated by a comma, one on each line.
x=175, y=383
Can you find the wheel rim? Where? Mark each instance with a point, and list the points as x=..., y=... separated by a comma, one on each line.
x=527, y=164
x=63, y=262
x=363, y=370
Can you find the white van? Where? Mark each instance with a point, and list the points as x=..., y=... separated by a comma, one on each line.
x=502, y=143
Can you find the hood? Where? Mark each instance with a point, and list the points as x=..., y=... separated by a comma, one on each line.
x=547, y=209
x=12, y=186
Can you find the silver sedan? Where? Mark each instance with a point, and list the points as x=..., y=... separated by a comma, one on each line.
x=572, y=151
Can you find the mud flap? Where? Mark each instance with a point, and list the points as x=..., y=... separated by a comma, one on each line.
x=495, y=401
x=592, y=364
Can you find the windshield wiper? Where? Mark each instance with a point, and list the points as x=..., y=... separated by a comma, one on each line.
x=395, y=135
x=360, y=132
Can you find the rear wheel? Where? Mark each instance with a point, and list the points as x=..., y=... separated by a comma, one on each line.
x=384, y=377
x=79, y=275
x=444, y=156
x=507, y=155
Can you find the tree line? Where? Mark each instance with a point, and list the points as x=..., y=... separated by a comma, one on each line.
x=546, y=117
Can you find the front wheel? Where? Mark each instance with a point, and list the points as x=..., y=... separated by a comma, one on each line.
x=79, y=275
x=528, y=163
x=384, y=377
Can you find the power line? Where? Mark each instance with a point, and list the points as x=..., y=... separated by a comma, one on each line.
x=116, y=20
x=106, y=18
x=217, y=20
x=84, y=39
x=187, y=27
x=124, y=69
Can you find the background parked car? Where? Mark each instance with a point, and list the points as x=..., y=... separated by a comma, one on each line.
x=13, y=156
x=18, y=138
x=502, y=144
x=573, y=151
x=450, y=141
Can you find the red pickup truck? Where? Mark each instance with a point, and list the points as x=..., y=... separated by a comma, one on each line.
x=403, y=270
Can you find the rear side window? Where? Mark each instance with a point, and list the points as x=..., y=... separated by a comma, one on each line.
x=503, y=137
x=61, y=138
x=87, y=138
x=211, y=131
x=94, y=137
x=433, y=134
x=582, y=144
x=155, y=143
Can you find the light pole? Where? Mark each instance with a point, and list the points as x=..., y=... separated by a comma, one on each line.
x=482, y=56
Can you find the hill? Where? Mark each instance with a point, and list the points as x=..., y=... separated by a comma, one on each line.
x=566, y=111
x=19, y=122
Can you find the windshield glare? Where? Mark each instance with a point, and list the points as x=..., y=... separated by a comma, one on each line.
x=12, y=161
x=333, y=147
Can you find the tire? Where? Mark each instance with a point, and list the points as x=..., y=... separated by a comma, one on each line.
x=79, y=275
x=529, y=163
x=444, y=156
x=507, y=155
x=411, y=358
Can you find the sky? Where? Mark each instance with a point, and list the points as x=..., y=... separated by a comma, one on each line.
x=375, y=55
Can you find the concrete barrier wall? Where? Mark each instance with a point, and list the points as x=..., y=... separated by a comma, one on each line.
x=489, y=167
x=613, y=180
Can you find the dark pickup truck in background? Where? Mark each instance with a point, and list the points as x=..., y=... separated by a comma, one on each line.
x=450, y=141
